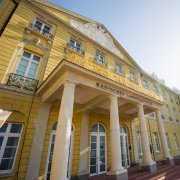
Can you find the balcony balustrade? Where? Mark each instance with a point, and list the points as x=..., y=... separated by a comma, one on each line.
x=22, y=82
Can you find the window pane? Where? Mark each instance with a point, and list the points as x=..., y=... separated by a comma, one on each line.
x=12, y=141
x=93, y=138
x=46, y=29
x=9, y=152
x=6, y=164
x=102, y=167
x=38, y=25
x=93, y=145
x=16, y=128
x=101, y=128
x=26, y=54
x=4, y=127
x=93, y=161
x=36, y=58
x=22, y=67
x=93, y=169
x=1, y=141
x=93, y=153
x=94, y=128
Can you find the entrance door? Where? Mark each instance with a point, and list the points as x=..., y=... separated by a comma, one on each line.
x=98, y=150
x=124, y=148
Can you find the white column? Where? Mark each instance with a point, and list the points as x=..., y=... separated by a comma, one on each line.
x=38, y=141
x=63, y=133
x=134, y=138
x=162, y=136
x=147, y=160
x=116, y=161
x=83, y=161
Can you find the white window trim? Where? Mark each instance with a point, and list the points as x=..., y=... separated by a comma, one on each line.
x=43, y=24
x=98, y=133
x=176, y=140
x=98, y=59
x=140, y=144
x=29, y=63
x=168, y=141
x=156, y=142
x=6, y=135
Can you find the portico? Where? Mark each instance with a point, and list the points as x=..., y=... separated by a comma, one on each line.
x=78, y=90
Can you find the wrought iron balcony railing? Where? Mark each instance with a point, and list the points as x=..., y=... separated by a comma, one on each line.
x=22, y=82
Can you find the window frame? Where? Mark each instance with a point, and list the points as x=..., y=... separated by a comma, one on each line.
x=43, y=25
x=75, y=45
x=176, y=140
x=139, y=144
x=30, y=61
x=97, y=60
x=156, y=142
x=121, y=68
x=135, y=76
x=168, y=141
x=145, y=84
x=6, y=135
x=155, y=89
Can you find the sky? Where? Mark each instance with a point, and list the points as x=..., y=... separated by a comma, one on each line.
x=149, y=30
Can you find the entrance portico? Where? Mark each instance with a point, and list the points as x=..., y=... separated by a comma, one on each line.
x=79, y=90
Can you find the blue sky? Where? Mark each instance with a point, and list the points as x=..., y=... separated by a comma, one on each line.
x=149, y=30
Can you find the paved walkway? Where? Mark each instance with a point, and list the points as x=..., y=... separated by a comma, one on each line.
x=164, y=172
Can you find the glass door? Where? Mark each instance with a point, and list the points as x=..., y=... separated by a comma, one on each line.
x=97, y=155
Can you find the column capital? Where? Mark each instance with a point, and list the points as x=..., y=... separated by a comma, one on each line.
x=157, y=110
x=69, y=83
x=140, y=105
x=113, y=97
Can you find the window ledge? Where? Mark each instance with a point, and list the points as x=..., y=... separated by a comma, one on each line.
x=37, y=33
x=7, y=174
x=136, y=81
x=120, y=74
x=67, y=50
x=105, y=65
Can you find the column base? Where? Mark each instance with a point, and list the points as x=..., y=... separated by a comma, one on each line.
x=83, y=175
x=152, y=167
x=169, y=161
x=117, y=175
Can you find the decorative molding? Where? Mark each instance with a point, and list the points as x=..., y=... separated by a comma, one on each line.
x=98, y=34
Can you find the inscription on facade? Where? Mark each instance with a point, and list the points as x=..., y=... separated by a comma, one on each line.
x=122, y=94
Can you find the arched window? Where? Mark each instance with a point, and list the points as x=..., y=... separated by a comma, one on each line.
x=98, y=150
x=51, y=149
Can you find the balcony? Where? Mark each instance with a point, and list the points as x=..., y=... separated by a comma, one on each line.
x=22, y=82
x=42, y=32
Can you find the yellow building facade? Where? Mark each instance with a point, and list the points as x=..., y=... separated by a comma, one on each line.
x=73, y=103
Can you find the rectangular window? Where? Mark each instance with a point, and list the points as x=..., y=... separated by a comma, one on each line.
x=156, y=142
x=164, y=95
x=28, y=65
x=9, y=141
x=169, y=113
x=168, y=141
x=118, y=68
x=40, y=26
x=133, y=76
x=176, y=141
x=100, y=59
x=140, y=143
x=76, y=46
x=162, y=115
x=145, y=84
x=155, y=88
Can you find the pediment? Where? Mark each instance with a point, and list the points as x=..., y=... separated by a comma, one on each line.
x=94, y=30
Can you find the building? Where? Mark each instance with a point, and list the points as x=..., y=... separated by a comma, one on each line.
x=73, y=103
